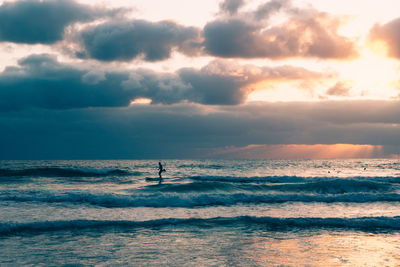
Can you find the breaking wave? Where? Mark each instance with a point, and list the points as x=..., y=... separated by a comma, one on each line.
x=271, y=223
x=190, y=200
x=334, y=186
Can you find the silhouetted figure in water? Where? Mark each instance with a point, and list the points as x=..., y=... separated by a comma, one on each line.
x=160, y=170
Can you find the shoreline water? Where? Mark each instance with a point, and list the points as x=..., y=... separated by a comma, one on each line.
x=205, y=212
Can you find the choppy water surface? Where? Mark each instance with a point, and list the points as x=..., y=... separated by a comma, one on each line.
x=247, y=213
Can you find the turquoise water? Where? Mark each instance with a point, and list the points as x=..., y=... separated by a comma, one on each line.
x=204, y=213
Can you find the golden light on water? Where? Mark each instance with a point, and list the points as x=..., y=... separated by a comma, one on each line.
x=337, y=249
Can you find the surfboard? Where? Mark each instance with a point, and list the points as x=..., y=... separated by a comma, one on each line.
x=152, y=179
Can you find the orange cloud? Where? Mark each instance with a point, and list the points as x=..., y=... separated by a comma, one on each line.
x=294, y=151
x=389, y=34
x=305, y=33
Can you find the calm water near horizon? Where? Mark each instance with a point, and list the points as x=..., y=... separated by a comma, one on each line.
x=204, y=213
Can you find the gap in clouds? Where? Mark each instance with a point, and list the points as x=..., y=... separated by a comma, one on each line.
x=300, y=151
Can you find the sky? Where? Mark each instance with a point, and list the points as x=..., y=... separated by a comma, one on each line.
x=228, y=79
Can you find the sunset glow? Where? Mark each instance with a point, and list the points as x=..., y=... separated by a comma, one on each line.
x=373, y=75
x=294, y=151
x=215, y=75
x=200, y=132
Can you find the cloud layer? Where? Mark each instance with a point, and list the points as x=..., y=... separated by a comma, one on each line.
x=187, y=130
x=126, y=40
x=305, y=33
x=34, y=21
x=41, y=81
x=233, y=34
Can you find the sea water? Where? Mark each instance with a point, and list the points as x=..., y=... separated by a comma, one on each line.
x=204, y=213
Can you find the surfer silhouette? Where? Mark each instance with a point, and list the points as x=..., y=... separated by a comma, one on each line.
x=160, y=170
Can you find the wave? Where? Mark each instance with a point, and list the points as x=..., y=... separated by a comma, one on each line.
x=334, y=186
x=290, y=179
x=197, y=187
x=162, y=200
x=64, y=172
x=255, y=179
x=270, y=223
x=203, y=166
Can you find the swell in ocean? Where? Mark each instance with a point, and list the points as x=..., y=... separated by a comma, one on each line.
x=271, y=223
x=64, y=172
x=291, y=179
x=320, y=185
x=201, y=191
x=72, y=172
x=188, y=200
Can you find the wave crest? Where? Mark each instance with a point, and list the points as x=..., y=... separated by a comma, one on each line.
x=63, y=172
x=272, y=223
x=335, y=186
x=161, y=200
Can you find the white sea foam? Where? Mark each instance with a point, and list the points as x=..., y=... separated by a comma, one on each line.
x=191, y=200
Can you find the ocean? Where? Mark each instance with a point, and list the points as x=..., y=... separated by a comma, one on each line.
x=204, y=213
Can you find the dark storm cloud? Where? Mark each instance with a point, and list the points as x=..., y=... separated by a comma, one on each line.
x=214, y=89
x=234, y=34
x=306, y=33
x=41, y=81
x=390, y=34
x=35, y=21
x=189, y=130
x=126, y=40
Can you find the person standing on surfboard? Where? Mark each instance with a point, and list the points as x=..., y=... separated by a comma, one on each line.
x=160, y=169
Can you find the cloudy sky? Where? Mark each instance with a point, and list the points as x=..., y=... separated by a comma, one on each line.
x=156, y=79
